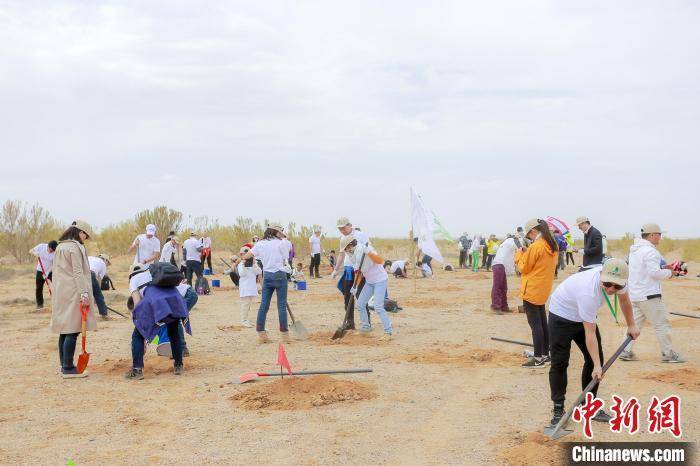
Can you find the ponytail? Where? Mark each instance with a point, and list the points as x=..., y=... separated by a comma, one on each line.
x=543, y=228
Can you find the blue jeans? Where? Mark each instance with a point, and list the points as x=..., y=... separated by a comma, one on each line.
x=378, y=290
x=273, y=281
x=66, y=349
x=138, y=345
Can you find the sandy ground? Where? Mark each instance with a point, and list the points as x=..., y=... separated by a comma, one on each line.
x=441, y=391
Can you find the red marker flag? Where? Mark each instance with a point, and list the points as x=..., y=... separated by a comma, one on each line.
x=282, y=359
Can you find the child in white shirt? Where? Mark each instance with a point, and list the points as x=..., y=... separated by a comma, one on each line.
x=298, y=274
x=248, y=271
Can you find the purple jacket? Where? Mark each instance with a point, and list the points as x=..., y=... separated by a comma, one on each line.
x=159, y=305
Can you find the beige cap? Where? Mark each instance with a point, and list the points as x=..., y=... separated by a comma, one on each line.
x=651, y=228
x=136, y=268
x=345, y=241
x=105, y=258
x=581, y=220
x=343, y=221
x=615, y=271
x=530, y=224
x=276, y=226
x=83, y=226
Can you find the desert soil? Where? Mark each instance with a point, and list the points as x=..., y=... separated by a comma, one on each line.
x=441, y=391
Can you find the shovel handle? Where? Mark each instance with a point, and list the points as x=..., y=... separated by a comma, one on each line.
x=332, y=371
x=289, y=310
x=512, y=341
x=684, y=315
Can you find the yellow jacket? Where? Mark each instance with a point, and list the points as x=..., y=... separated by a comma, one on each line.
x=492, y=246
x=537, y=265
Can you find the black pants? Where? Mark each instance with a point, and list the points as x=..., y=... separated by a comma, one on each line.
x=314, y=265
x=537, y=318
x=463, y=258
x=235, y=278
x=193, y=267
x=40, y=288
x=561, y=333
x=208, y=259
x=570, y=256
x=97, y=294
x=66, y=349
x=347, y=286
x=483, y=258
x=489, y=260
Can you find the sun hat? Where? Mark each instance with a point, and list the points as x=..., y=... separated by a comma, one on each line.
x=582, y=219
x=276, y=226
x=83, y=226
x=105, y=258
x=343, y=221
x=651, y=228
x=193, y=233
x=137, y=268
x=615, y=271
x=345, y=241
x=530, y=224
x=150, y=229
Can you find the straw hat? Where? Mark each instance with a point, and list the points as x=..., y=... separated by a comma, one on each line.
x=276, y=226
x=345, y=241
x=343, y=221
x=137, y=268
x=83, y=226
x=105, y=258
x=615, y=271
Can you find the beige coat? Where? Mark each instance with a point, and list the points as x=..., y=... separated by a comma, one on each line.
x=71, y=278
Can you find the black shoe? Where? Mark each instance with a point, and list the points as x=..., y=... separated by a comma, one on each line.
x=546, y=359
x=134, y=374
x=557, y=414
x=178, y=369
x=534, y=362
x=602, y=416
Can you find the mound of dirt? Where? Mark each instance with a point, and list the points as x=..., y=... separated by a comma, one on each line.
x=295, y=393
x=351, y=338
x=687, y=378
x=470, y=358
x=19, y=302
x=536, y=448
x=153, y=366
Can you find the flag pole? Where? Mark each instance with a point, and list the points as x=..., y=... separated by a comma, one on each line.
x=413, y=248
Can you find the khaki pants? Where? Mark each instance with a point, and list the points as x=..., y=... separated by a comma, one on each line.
x=246, y=304
x=654, y=311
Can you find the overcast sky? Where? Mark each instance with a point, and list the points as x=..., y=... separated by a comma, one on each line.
x=495, y=112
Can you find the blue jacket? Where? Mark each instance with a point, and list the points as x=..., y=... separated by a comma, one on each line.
x=158, y=306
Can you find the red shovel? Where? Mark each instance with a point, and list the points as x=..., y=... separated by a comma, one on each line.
x=46, y=278
x=85, y=356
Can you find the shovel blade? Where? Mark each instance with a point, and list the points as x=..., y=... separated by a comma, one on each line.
x=555, y=434
x=82, y=362
x=247, y=377
x=300, y=331
x=340, y=333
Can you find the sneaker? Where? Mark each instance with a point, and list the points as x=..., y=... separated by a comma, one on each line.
x=521, y=310
x=672, y=357
x=365, y=330
x=285, y=337
x=602, y=416
x=247, y=323
x=134, y=374
x=533, y=362
x=386, y=337
x=185, y=353
x=178, y=369
x=72, y=373
x=628, y=356
x=546, y=359
x=105, y=317
x=263, y=338
x=557, y=414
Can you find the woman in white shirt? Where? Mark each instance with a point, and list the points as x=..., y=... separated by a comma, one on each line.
x=248, y=272
x=366, y=260
x=273, y=252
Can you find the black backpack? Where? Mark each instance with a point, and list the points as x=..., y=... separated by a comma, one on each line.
x=106, y=284
x=201, y=286
x=165, y=274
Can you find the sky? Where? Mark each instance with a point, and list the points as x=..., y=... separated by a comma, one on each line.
x=495, y=112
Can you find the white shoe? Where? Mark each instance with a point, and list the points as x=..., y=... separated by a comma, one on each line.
x=263, y=338
x=672, y=357
x=247, y=323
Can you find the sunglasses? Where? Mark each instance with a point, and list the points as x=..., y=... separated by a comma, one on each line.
x=613, y=285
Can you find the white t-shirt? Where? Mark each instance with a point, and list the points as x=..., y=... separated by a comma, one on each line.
x=247, y=285
x=138, y=280
x=190, y=246
x=396, y=265
x=98, y=266
x=146, y=248
x=315, y=243
x=373, y=273
x=272, y=253
x=169, y=251
x=579, y=297
x=42, y=251
x=505, y=255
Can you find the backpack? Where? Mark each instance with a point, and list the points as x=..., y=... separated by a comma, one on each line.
x=202, y=286
x=165, y=274
x=106, y=283
x=391, y=306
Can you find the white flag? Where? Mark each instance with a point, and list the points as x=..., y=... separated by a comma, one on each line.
x=423, y=227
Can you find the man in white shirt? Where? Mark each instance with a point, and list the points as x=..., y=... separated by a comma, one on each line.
x=193, y=248
x=315, y=247
x=98, y=269
x=171, y=252
x=345, y=265
x=646, y=274
x=147, y=247
x=44, y=254
x=206, y=252
x=573, y=310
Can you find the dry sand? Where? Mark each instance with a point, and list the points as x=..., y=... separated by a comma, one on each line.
x=441, y=391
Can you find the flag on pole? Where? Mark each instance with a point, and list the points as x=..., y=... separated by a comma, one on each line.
x=423, y=223
x=282, y=359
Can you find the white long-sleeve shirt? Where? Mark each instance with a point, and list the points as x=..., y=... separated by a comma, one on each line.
x=247, y=285
x=505, y=255
x=42, y=252
x=645, y=270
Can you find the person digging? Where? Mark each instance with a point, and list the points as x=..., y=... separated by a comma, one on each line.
x=573, y=312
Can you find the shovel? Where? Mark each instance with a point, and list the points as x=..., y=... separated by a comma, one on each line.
x=558, y=431
x=684, y=315
x=254, y=375
x=46, y=278
x=343, y=329
x=84, y=356
x=512, y=341
x=117, y=312
x=297, y=327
